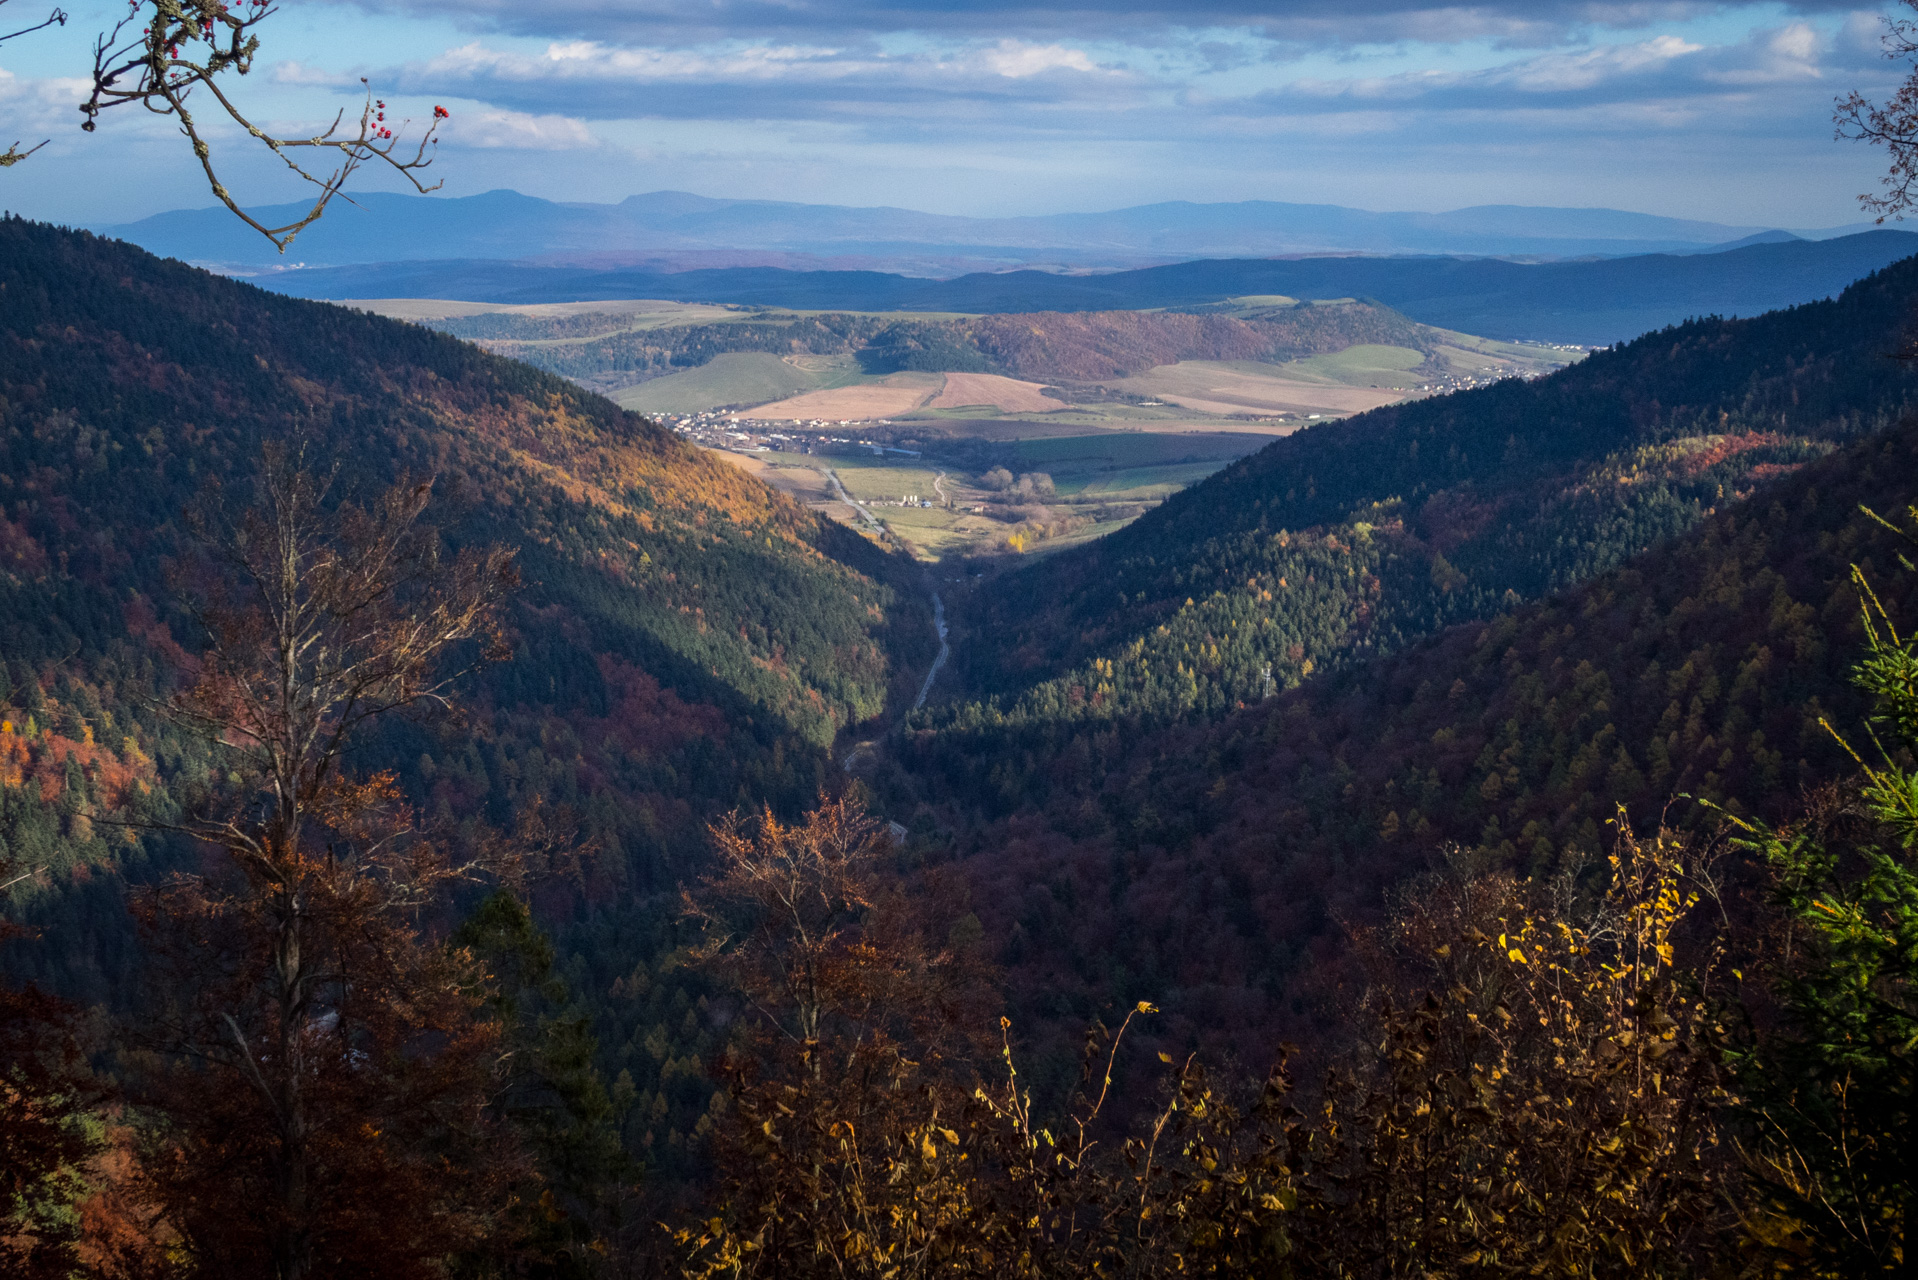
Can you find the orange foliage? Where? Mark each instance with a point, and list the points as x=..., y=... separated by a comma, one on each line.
x=1725, y=447
x=41, y=761
x=20, y=553
x=121, y=1234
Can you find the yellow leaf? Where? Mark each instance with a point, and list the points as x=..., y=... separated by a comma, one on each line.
x=1516, y=956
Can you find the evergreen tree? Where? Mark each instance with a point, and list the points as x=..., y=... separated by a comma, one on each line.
x=1831, y=1091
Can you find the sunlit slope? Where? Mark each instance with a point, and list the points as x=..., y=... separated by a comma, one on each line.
x=687, y=636
x=1220, y=869
x=1349, y=538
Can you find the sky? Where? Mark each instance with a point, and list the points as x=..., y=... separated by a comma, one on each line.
x=1715, y=111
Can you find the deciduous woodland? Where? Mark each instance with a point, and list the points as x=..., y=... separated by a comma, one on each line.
x=455, y=828
x=1071, y=347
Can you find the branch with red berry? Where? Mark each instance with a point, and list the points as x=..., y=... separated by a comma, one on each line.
x=185, y=47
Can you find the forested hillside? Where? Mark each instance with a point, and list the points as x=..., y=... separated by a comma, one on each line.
x=1215, y=868
x=1089, y=346
x=686, y=640
x=1083, y=347
x=1191, y=775
x=1348, y=540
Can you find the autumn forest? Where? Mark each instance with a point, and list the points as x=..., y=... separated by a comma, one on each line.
x=451, y=826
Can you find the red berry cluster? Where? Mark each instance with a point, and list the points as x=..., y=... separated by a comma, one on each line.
x=441, y=113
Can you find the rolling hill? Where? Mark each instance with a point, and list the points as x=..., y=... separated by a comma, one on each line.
x=1442, y=510
x=1460, y=632
x=687, y=640
x=1047, y=346
x=1184, y=764
x=675, y=228
x=1580, y=302
x=1222, y=870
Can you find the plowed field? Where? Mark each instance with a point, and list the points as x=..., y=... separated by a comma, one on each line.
x=1008, y=395
x=888, y=399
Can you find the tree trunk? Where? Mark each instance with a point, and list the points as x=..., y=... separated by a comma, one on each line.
x=293, y=1242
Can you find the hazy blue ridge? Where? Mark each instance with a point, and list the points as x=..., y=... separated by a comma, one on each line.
x=379, y=227
x=1593, y=302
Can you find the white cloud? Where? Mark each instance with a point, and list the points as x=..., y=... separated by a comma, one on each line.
x=299, y=74
x=1566, y=72
x=1322, y=23
x=494, y=128
x=1789, y=53
x=37, y=109
x=1016, y=60
x=1666, y=78
x=592, y=60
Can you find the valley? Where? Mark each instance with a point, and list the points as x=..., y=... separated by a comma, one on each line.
x=1127, y=722
x=773, y=384
x=1084, y=484
x=1126, y=687
x=1256, y=357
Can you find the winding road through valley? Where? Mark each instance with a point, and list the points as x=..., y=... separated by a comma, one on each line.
x=938, y=605
x=832, y=478
x=945, y=650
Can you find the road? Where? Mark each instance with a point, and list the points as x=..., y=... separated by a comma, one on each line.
x=938, y=605
x=945, y=650
x=832, y=478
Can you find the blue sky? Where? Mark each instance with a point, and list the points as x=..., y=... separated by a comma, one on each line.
x=1702, y=110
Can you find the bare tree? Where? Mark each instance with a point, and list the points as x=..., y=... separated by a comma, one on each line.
x=58, y=18
x=1892, y=124
x=323, y=1068
x=183, y=47
x=839, y=964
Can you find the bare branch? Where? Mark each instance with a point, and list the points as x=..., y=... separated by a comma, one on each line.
x=58, y=18
x=1892, y=125
x=187, y=46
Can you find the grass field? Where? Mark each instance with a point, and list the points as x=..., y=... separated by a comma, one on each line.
x=640, y=313
x=1362, y=366
x=1249, y=387
x=795, y=473
x=1524, y=356
x=882, y=479
x=740, y=377
x=1131, y=466
x=1104, y=480
x=1069, y=458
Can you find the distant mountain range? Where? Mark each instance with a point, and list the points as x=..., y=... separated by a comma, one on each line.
x=672, y=230
x=1589, y=302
